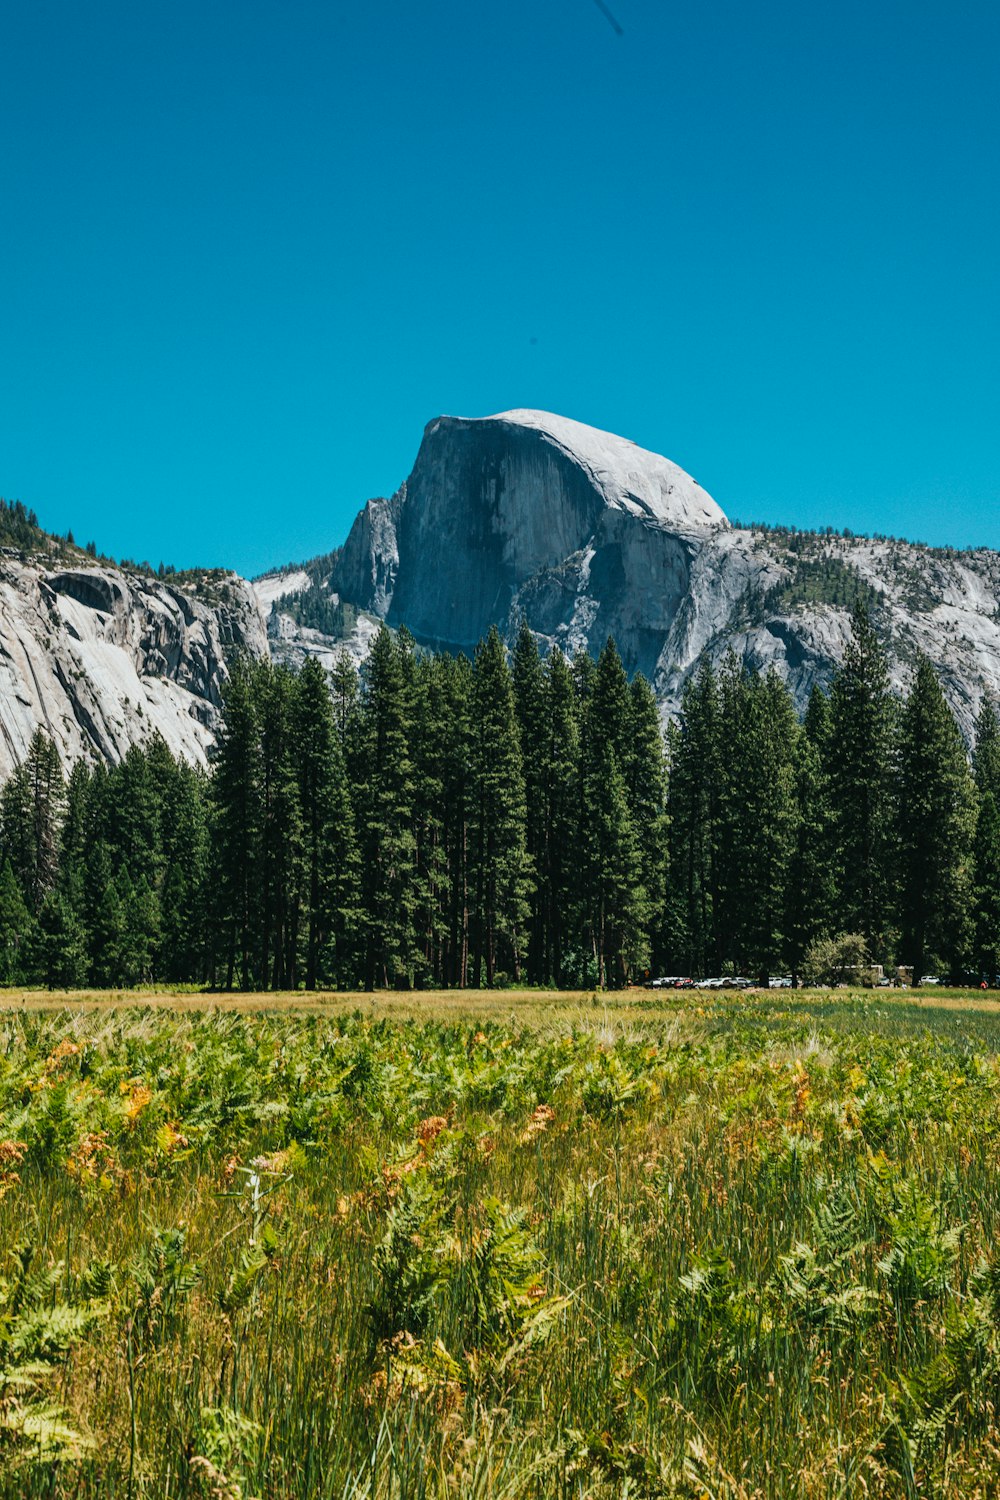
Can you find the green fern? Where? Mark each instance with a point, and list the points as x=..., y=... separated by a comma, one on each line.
x=37, y=1332
x=410, y=1261
x=922, y=1257
x=506, y=1269
x=818, y=1284
x=243, y=1284
x=162, y=1281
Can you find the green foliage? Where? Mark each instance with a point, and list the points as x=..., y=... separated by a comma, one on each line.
x=315, y=608
x=681, y=1242
x=861, y=787
x=442, y=822
x=161, y=1280
x=835, y=960
x=38, y=1329
x=410, y=1261
x=820, y=580
x=923, y=1251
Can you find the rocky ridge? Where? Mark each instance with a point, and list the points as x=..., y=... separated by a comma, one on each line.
x=521, y=515
x=102, y=658
x=585, y=535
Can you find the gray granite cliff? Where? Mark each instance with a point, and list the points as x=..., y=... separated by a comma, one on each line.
x=586, y=535
x=103, y=658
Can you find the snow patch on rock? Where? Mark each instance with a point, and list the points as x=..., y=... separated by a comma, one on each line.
x=274, y=586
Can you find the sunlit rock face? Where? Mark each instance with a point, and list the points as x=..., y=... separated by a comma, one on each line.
x=103, y=659
x=582, y=533
x=524, y=515
x=585, y=535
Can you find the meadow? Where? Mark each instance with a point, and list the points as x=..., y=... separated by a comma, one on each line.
x=499, y=1245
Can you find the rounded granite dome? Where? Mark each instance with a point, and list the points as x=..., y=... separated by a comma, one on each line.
x=630, y=478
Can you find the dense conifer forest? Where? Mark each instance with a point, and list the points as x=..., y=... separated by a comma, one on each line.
x=446, y=822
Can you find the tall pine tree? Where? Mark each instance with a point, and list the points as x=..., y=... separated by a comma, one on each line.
x=937, y=822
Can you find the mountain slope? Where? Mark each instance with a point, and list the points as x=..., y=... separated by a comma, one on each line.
x=586, y=535
x=102, y=658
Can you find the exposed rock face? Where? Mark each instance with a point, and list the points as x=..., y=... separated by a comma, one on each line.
x=524, y=514
x=586, y=535
x=103, y=659
x=530, y=513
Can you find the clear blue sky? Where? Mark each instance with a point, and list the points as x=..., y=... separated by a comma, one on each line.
x=250, y=248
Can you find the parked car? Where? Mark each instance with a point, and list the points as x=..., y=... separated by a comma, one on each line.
x=929, y=979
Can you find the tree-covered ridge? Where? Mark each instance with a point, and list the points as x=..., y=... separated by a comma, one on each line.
x=447, y=822
x=820, y=580
x=315, y=608
x=22, y=534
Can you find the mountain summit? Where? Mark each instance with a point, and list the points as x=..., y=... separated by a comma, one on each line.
x=528, y=515
x=519, y=516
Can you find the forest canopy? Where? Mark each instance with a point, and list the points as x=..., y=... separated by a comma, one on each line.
x=438, y=821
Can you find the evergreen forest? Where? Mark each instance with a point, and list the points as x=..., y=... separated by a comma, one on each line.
x=439, y=821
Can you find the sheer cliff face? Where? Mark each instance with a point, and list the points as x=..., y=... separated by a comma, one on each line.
x=585, y=535
x=581, y=532
x=103, y=659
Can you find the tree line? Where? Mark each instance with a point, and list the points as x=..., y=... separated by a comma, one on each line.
x=440, y=821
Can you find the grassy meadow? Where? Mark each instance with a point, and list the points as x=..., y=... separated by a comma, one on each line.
x=501, y=1244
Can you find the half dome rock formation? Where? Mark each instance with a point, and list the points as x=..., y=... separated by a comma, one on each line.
x=103, y=658
x=525, y=513
x=584, y=535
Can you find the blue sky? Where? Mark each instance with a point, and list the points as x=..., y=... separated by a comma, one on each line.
x=250, y=249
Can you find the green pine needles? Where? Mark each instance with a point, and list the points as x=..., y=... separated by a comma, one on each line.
x=513, y=820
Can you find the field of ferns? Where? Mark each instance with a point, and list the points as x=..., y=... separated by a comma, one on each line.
x=572, y=1247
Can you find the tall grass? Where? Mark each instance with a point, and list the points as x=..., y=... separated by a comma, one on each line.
x=741, y=1249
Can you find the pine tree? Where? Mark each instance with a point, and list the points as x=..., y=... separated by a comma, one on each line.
x=695, y=773
x=58, y=958
x=385, y=819
x=15, y=927
x=617, y=902
x=529, y=700
x=811, y=892
x=282, y=871
x=986, y=758
x=346, y=709
x=646, y=785
x=434, y=729
x=138, y=931
x=986, y=890
x=47, y=788
x=502, y=870
x=104, y=918
x=937, y=821
x=31, y=808
x=757, y=818
x=237, y=804
x=859, y=768
x=329, y=845
x=184, y=897
x=75, y=836
x=609, y=707
x=455, y=678
x=559, y=895
x=132, y=819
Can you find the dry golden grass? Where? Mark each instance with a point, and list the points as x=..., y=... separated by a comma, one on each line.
x=529, y=1006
